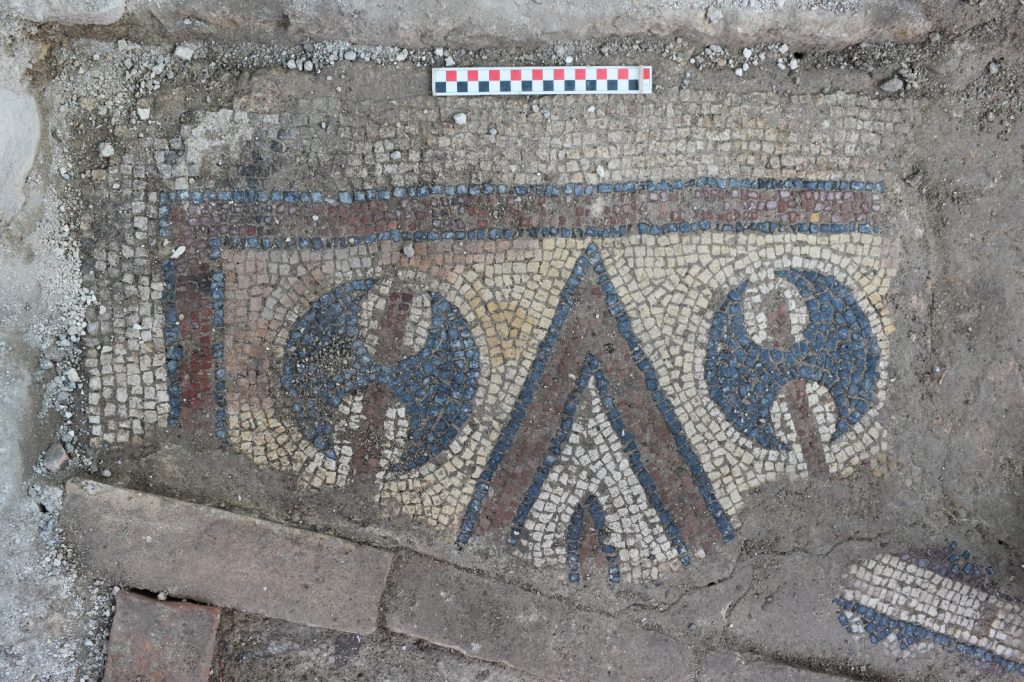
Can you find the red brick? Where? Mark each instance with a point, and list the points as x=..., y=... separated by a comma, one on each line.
x=160, y=641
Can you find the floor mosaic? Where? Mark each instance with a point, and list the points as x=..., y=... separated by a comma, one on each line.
x=280, y=136
x=578, y=372
x=942, y=599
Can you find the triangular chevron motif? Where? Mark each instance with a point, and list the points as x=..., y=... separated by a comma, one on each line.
x=594, y=465
x=590, y=357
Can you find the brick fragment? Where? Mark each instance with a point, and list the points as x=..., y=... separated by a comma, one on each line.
x=160, y=641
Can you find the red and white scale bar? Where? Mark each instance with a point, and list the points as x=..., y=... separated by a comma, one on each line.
x=542, y=80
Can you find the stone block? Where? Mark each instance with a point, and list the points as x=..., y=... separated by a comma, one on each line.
x=539, y=635
x=219, y=557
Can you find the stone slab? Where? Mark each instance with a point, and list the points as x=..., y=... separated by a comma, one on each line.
x=474, y=24
x=19, y=139
x=493, y=621
x=219, y=557
x=82, y=12
x=737, y=667
x=160, y=641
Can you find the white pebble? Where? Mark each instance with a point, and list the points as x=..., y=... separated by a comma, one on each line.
x=747, y=53
x=143, y=113
x=460, y=119
x=184, y=53
x=178, y=252
x=350, y=55
x=106, y=150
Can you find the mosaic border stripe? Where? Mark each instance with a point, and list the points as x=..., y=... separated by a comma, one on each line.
x=216, y=245
x=879, y=626
x=549, y=190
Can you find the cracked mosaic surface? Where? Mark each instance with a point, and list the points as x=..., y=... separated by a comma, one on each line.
x=580, y=373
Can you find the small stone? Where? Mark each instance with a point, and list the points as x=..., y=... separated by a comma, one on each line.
x=460, y=119
x=350, y=55
x=395, y=155
x=307, y=65
x=794, y=64
x=438, y=51
x=184, y=53
x=449, y=61
x=713, y=15
x=162, y=596
x=291, y=64
x=55, y=458
x=994, y=67
x=408, y=251
x=143, y=113
x=178, y=252
x=739, y=72
x=106, y=150
x=106, y=473
x=747, y=53
x=402, y=55
x=893, y=85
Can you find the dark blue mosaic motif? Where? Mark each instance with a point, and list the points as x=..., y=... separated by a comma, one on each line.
x=838, y=350
x=574, y=539
x=590, y=261
x=325, y=360
x=172, y=344
x=879, y=626
x=592, y=368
